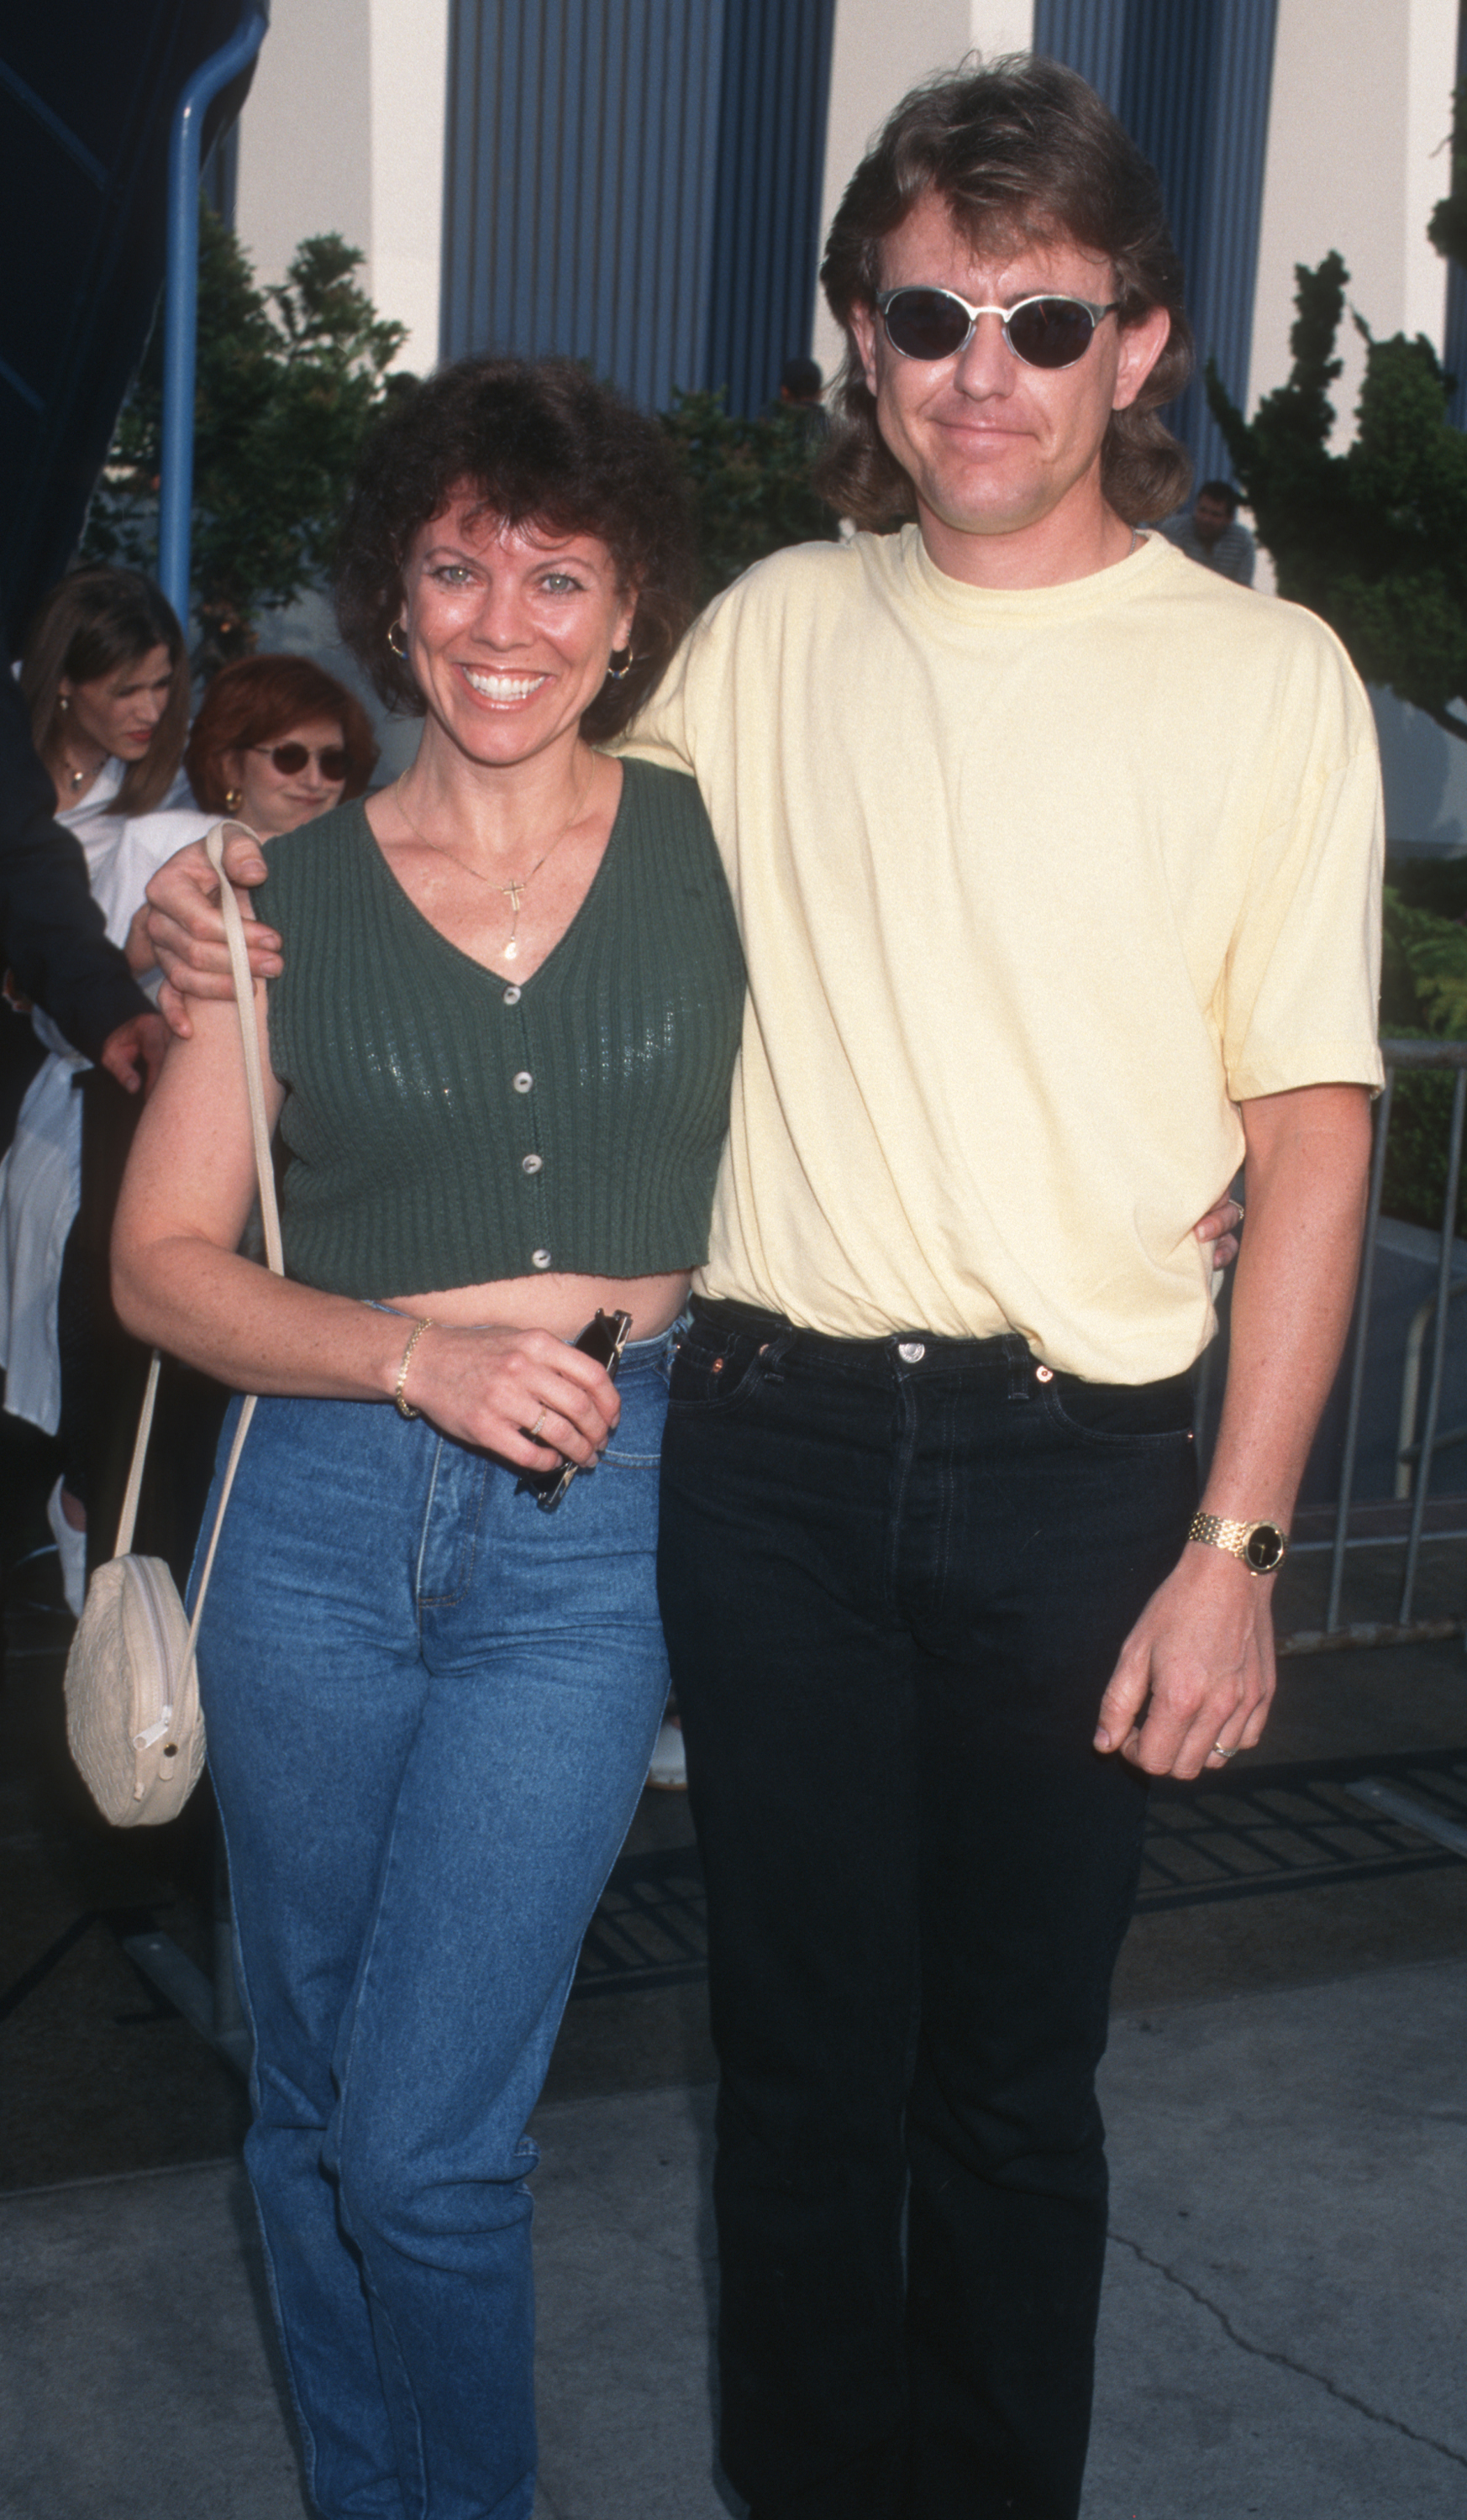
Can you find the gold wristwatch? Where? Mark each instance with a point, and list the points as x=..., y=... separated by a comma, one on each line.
x=1261, y=1546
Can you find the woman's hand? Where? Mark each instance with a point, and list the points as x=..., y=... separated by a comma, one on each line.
x=138, y=950
x=1219, y=1226
x=524, y=1395
x=185, y=927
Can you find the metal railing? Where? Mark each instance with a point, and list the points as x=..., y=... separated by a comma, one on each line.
x=1415, y=1457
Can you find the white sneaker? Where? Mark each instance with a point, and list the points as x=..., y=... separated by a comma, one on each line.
x=71, y=1549
x=669, y=1760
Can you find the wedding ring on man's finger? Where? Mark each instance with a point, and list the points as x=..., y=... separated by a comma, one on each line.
x=534, y=1432
x=1218, y=1751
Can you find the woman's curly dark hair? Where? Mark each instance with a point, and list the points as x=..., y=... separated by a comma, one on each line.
x=1020, y=148
x=536, y=441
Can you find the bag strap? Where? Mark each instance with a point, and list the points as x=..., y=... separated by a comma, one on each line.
x=244, y=998
x=265, y=1174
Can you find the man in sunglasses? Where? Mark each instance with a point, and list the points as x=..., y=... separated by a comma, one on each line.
x=1056, y=860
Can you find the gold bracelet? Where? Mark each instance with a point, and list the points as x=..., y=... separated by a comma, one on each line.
x=403, y=1410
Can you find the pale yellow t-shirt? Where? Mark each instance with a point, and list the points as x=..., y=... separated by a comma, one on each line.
x=1034, y=888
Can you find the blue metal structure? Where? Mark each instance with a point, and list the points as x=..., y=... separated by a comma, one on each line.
x=181, y=305
x=87, y=95
x=637, y=183
x=1192, y=87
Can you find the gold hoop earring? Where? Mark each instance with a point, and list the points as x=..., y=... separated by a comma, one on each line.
x=234, y=799
x=395, y=633
x=619, y=673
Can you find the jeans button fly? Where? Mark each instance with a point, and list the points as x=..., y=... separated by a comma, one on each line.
x=912, y=1351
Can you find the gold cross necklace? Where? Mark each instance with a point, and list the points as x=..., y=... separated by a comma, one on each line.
x=510, y=952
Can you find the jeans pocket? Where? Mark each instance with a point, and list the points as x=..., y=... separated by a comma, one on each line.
x=1116, y=1414
x=714, y=1368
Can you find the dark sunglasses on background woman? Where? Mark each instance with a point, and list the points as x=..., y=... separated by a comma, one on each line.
x=290, y=759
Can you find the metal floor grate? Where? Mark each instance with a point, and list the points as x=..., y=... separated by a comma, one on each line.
x=1232, y=1837
x=651, y=1928
x=1293, y=1828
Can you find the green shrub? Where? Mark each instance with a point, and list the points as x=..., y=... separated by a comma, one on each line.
x=1423, y=997
x=289, y=381
x=750, y=481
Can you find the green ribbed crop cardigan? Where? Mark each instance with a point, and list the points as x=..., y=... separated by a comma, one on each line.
x=446, y=1126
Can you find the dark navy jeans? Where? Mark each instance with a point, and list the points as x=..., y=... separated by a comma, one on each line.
x=895, y=1576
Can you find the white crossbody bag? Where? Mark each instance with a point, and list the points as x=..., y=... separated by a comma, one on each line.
x=133, y=1718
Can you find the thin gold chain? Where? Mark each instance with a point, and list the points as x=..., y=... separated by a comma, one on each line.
x=511, y=891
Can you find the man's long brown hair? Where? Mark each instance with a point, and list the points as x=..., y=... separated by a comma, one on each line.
x=1021, y=149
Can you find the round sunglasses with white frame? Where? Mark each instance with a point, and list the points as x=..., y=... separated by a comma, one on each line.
x=1051, y=330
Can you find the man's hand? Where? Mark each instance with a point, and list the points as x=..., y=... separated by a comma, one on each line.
x=1196, y=1670
x=1198, y=1666
x=134, y=1053
x=186, y=927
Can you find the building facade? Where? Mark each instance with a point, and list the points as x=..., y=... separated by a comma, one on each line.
x=645, y=183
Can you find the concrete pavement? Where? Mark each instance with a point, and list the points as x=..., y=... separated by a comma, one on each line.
x=1284, y=2330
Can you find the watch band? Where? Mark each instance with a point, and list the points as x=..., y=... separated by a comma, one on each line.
x=1259, y=1545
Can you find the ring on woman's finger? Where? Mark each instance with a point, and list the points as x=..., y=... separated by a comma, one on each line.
x=534, y=1432
x=1218, y=1751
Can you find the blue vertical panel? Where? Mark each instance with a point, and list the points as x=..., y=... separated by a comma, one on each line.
x=1089, y=36
x=1192, y=87
x=766, y=221
x=579, y=184
x=1197, y=89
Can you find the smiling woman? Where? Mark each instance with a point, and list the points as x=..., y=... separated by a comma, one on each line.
x=499, y=1046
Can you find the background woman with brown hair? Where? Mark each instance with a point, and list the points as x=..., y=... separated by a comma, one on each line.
x=106, y=678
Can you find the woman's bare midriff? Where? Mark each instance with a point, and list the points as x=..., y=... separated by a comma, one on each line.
x=561, y=1304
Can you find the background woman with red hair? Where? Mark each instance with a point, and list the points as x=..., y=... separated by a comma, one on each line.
x=277, y=741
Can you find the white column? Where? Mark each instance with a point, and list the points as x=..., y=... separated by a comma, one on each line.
x=409, y=103
x=879, y=53
x=1430, y=75
x=343, y=130
x=1361, y=104
x=305, y=145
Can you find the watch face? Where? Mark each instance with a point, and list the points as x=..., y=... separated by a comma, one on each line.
x=1263, y=1548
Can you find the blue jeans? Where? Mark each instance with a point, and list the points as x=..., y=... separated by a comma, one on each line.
x=895, y=1574
x=430, y=1711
